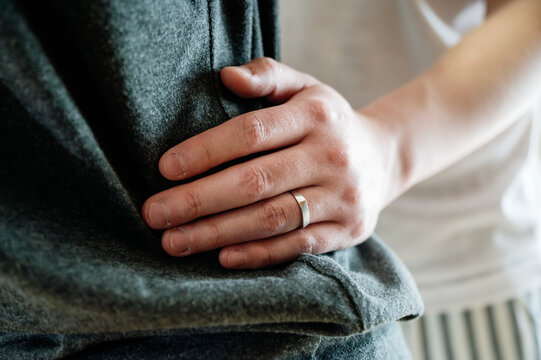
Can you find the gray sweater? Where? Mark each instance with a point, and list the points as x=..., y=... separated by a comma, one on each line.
x=91, y=94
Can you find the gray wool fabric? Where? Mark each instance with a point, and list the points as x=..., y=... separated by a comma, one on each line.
x=91, y=94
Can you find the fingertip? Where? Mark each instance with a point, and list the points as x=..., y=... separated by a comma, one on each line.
x=166, y=242
x=171, y=166
x=233, y=258
x=145, y=213
x=155, y=213
x=229, y=73
x=222, y=258
x=162, y=167
x=240, y=80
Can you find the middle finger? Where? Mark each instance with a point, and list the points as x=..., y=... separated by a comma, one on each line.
x=237, y=186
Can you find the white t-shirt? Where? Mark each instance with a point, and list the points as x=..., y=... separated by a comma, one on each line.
x=472, y=233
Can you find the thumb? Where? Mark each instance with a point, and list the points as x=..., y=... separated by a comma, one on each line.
x=265, y=77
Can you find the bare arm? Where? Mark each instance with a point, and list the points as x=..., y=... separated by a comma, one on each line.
x=475, y=91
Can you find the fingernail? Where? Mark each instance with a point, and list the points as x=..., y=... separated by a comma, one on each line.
x=249, y=73
x=236, y=258
x=173, y=167
x=158, y=214
x=246, y=71
x=179, y=241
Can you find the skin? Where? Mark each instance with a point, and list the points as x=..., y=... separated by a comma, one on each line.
x=349, y=164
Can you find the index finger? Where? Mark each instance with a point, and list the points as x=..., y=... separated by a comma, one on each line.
x=253, y=132
x=246, y=134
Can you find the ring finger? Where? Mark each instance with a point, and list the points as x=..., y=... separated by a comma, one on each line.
x=240, y=185
x=264, y=219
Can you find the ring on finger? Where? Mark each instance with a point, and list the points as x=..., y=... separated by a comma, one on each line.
x=303, y=205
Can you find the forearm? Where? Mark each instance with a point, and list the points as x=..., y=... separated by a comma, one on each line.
x=475, y=91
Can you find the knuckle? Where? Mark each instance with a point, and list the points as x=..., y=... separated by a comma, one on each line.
x=253, y=130
x=357, y=229
x=194, y=205
x=306, y=243
x=267, y=257
x=269, y=65
x=352, y=197
x=273, y=218
x=254, y=182
x=215, y=238
x=338, y=156
x=322, y=111
x=208, y=153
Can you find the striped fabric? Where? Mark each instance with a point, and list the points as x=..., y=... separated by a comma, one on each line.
x=504, y=331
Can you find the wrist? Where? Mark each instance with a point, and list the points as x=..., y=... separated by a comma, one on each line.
x=388, y=143
x=409, y=120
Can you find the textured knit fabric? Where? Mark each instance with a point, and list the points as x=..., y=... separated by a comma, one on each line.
x=382, y=343
x=91, y=94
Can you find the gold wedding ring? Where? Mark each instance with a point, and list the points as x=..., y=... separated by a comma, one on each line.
x=303, y=204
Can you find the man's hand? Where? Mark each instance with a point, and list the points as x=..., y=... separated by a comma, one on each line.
x=347, y=164
x=336, y=158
